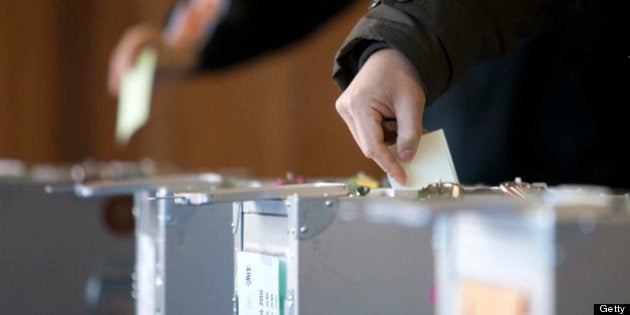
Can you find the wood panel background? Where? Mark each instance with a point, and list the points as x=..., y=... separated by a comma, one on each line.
x=269, y=115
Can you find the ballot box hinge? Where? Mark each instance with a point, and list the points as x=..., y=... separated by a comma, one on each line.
x=311, y=216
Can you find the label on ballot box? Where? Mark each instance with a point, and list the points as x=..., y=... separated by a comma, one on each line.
x=260, y=284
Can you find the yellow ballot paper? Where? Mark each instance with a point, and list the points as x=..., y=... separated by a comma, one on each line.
x=134, y=103
x=432, y=163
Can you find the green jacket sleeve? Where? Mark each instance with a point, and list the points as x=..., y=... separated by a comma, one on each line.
x=443, y=39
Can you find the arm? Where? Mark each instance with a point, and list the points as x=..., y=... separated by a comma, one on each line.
x=188, y=29
x=441, y=40
x=253, y=27
x=195, y=39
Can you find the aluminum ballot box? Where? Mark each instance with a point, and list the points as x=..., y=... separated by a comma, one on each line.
x=184, y=257
x=558, y=251
x=511, y=249
x=51, y=246
x=327, y=249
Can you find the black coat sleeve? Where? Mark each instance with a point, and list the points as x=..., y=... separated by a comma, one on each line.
x=253, y=27
x=443, y=39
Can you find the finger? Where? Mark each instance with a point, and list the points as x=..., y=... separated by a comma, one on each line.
x=348, y=119
x=371, y=134
x=124, y=56
x=120, y=62
x=410, y=129
x=114, y=71
x=112, y=84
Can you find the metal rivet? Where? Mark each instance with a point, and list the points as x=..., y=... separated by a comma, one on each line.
x=328, y=203
x=303, y=229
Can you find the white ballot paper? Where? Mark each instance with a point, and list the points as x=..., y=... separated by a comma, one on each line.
x=431, y=164
x=134, y=103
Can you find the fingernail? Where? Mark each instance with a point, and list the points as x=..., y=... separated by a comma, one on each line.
x=402, y=180
x=399, y=178
x=406, y=155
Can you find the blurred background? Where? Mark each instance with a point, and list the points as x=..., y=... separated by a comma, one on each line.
x=268, y=115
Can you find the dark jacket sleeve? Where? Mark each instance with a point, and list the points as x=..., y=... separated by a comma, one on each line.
x=253, y=27
x=443, y=39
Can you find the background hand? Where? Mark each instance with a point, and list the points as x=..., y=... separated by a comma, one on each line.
x=186, y=33
x=127, y=50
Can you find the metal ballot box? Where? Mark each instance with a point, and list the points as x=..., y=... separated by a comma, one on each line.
x=511, y=249
x=184, y=257
x=52, y=246
x=556, y=252
x=327, y=249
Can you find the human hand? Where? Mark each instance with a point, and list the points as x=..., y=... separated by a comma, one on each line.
x=387, y=86
x=127, y=50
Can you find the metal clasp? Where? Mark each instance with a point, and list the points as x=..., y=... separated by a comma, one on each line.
x=518, y=188
x=444, y=190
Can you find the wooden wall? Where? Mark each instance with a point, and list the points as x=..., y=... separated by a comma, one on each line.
x=269, y=115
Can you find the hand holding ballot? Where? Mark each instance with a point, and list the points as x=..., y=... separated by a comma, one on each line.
x=387, y=86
